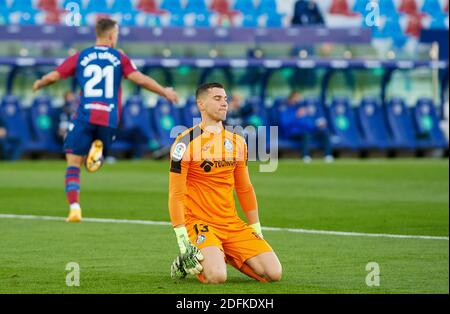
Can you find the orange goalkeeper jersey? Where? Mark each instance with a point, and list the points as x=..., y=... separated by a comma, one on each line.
x=205, y=168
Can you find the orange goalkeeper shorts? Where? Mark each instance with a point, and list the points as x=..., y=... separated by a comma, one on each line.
x=238, y=241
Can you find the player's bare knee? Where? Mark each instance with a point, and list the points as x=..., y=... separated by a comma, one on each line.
x=274, y=273
x=215, y=277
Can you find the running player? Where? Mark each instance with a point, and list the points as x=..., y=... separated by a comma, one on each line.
x=207, y=164
x=98, y=71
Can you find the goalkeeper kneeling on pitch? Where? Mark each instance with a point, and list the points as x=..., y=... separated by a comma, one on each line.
x=207, y=164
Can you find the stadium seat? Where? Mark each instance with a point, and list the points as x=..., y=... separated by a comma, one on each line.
x=196, y=6
x=427, y=124
x=246, y=7
x=432, y=7
x=226, y=16
x=165, y=118
x=267, y=7
x=136, y=129
x=173, y=6
x=22, y=6
x=340, y=7
x=43, y=131
x=250, y=20
x=150, y=6
x=190, y=112
x=97, y=6
x=414, y=26
x=372, y=124
x=408, y=7
x=16, y=124
x=273, y=20
x=78, y=2
x=400, y=124
x=439, y=21
x=360, y=7
x=343, y=124
x=387, y=8
x=47, y=5
x=392, y=29
x=123, y=6
x=446, y=6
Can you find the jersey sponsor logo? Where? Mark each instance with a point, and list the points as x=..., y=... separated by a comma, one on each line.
x=98, y=106
x=178, y=151
x=207, y=165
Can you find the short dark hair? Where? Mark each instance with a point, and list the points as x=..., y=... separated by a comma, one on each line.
x=205, y=87
x=104, y=25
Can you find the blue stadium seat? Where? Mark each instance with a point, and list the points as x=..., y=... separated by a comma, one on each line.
x=343, y=124
x=432, y=7
x=173, y=6
x=267, y=7
x=196, y=6
x=43, y=130
x=387, y=8
x=165, y=118
x=22, y=6
x=177, y=20
x=202, y=20
x=122, y=6
x=372, y=123
x=246, y=7
x=274, y=20
x=400, y=124
x=100, y=6
x=16, y=124
x=250, y=20
x=392, y=29
x=79, y=2
x=136, y=127
x=438, y=21
x=360, y=6
x=427, y=125
x=189, y=112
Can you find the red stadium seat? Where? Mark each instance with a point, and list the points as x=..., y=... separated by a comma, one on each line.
x=53, y=16
x=414, y=26
x=225, y=13
x=48, y=5
x=150, y=6
x=408, y=7
x=340, y=7
x=446, y=7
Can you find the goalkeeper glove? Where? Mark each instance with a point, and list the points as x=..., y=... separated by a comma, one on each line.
x=257, y=228
x=176, y=269
x=190, y=255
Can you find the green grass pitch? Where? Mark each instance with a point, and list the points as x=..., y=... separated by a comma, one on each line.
x=407, y=197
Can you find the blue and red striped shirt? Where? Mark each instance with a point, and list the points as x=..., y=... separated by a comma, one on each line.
x=99, y=71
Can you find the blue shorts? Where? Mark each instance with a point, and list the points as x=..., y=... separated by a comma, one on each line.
x=80, y=137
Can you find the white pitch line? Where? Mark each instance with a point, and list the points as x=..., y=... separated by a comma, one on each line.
x=294, y=230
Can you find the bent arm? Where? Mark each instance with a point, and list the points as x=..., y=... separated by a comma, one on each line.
x=47, y=80
x=153, y=86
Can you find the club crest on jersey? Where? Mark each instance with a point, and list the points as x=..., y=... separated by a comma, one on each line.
x=228, y=145
x=200, y=239
x=178, y=151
